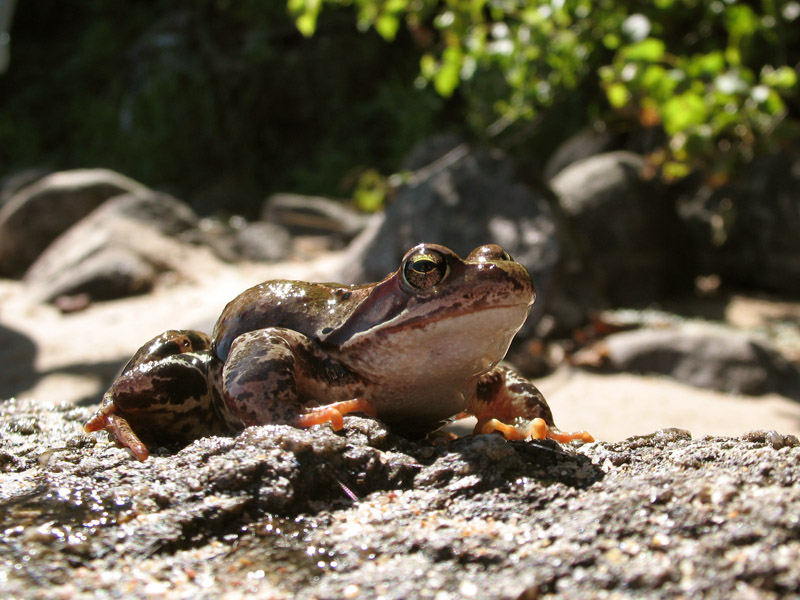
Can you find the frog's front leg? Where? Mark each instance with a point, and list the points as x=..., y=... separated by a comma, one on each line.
x=506, y=402
x=162, y=395
x=277, y=375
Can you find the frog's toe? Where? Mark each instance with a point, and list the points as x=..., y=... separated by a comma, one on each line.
x=119, y=431
x=569, y=436
x=334, y=413
x=536, y=429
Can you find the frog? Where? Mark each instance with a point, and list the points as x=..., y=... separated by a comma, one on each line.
x=416, y=350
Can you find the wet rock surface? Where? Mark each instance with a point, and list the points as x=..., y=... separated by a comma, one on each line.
x=280, y=512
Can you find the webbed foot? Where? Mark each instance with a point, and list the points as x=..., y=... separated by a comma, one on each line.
x=508, y=403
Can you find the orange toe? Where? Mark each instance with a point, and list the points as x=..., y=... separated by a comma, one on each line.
x=334, y=413
x=537, y=429
x=569, y=436
x=119, y=430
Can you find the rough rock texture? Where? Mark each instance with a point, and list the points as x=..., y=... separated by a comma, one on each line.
x=284, y=513
x=116, y=251
x=626, y=234
x=38, y=213
x=463, y=200
x=702, y=355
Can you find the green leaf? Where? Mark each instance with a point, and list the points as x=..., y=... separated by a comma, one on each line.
x=741, y=20
x=369, y=200
x=607, y=73
x=733, y=56
x=618, y=95
x=681, y=112
x=307, y=12
x=658, y=82
x=446, y=79
x=387, y=26
x=611, y=41
x=428, y=66
x=781, y=78
x=712, y=63
x=774, y=105
x=676, y=170
x=651, y=50
x=307, y=23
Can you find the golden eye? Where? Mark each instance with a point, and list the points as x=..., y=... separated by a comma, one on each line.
x=424, y=270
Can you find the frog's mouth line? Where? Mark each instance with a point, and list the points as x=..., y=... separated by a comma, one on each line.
x=454, y=314
x=427, y=319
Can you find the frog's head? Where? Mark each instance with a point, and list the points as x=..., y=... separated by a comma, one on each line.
x=438, y=313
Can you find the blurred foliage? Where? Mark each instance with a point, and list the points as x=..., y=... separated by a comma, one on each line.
x=218, y=101
x=716, y=77
x=224, y=101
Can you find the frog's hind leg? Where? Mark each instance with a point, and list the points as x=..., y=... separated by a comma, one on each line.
x=162, y=395
x=508, y=403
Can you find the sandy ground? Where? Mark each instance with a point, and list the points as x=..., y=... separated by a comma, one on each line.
x=57, y=358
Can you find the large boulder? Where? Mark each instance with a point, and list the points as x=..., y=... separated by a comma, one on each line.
x=40, y=212
x=625, y=231
x=116, y=251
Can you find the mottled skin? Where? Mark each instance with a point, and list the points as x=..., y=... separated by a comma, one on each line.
x=415, y=349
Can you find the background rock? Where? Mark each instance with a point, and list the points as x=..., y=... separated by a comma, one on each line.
x=748, y=231
x=116, y=251
x=583, y=144
x=314, y=215
x=11, y=184
x=39, y=213
x=265, y=242
x=238, y=239
x=704, y=356
x=626, y=234
x=18, y=354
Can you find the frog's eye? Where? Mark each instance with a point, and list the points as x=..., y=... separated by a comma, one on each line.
x=425, y=270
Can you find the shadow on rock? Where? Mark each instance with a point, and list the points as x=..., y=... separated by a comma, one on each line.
x=17, y=355
x=478, y=463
